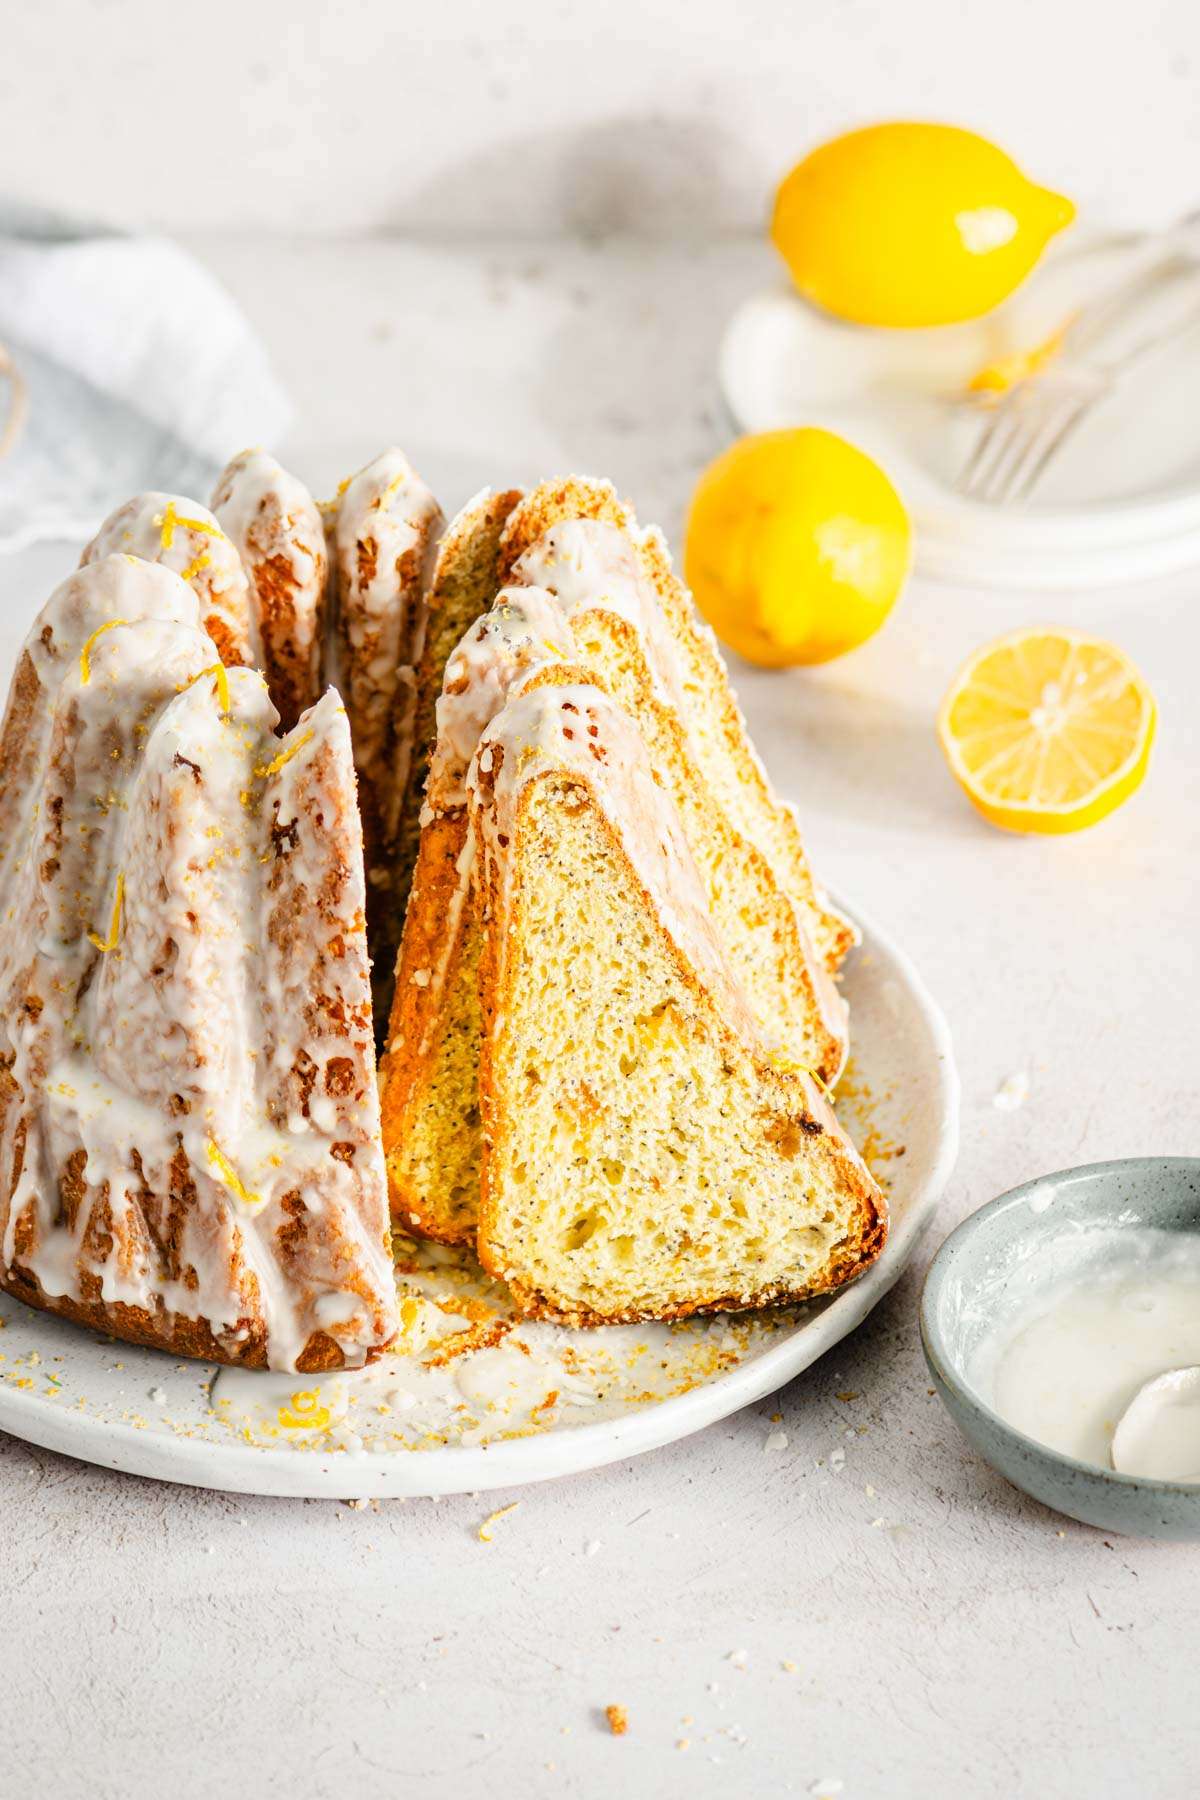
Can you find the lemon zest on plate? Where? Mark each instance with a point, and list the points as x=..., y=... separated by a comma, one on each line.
x=999, y=377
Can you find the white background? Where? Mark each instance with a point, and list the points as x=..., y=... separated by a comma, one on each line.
x=531, y=115
x=951, y=1639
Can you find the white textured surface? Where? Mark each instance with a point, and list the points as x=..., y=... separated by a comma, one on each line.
x=530, y=115
x=950, y=1638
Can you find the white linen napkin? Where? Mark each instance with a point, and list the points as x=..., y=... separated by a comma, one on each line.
x=137, y=368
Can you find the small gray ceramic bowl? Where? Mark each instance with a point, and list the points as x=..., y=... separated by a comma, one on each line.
x=998, y=1256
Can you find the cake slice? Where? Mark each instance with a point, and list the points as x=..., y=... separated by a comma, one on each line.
x=184, y=536
x=462, y=587
x=598, y=610
x=275, y=526
x=645, y=1156
x=189, y=1131
x=545, y=543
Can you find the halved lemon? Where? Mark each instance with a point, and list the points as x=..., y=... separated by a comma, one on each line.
x=1048, y=730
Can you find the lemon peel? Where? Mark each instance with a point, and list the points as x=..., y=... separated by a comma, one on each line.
x=229, y=1175
x=1007, y=372
x=203, y=561
x=304, y=1412
x=168, y=520
x=85, y=655
x=221, y=676
x=114, y=924
x=485, y=1530
x=265, y=770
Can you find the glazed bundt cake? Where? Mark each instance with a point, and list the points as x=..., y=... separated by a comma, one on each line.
x=615, y=1014
x=189, y=1128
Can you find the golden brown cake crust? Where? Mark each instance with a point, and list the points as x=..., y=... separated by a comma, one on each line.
x=179, y=1337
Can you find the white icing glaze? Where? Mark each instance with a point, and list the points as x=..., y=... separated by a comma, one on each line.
x=590, y=565
x=525, y=626
x=184, y=536
x=577, y=730
x=385, y=541
x=1064, y=1359
x=274, y=524
x=184, y=1004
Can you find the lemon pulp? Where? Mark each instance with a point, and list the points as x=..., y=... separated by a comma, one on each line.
x=1048, y=730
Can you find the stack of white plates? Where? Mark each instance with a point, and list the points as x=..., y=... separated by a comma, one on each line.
x=1120, y=501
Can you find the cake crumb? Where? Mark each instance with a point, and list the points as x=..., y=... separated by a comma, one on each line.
x=1012, y=1092
x=618, y=1720
x=485, y=1530
x=683, y=1743
x=847, y=1394
x=777, y=1440
x=739, y=1658
x=788, y=1666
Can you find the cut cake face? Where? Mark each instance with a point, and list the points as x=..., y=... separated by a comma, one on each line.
x=579, y=592
x=645, y=1155
x=188, y=1117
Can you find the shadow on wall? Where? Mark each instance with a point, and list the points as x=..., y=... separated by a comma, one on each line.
x=679, y=177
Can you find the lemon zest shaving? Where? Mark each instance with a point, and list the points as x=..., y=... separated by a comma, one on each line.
x=485, y=1530
x=790, y=1066
x=305, y=1413
x=168, y=519
x=328, y=506
x=285, y=756
x=194, y=567
x=220, y=675
x=114, y=926
x=1007, y=372
x=230, y=1176
x=397, y=481
x=85, y=655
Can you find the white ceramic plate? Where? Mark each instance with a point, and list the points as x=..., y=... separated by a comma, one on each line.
x=1121, y=500
x=438, y=1420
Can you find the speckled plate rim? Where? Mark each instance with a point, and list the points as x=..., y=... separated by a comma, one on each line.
x=946, y=1371
x=243, y=1468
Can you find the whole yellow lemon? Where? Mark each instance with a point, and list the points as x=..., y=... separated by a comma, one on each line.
x=911, y=224
x=797, y=547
